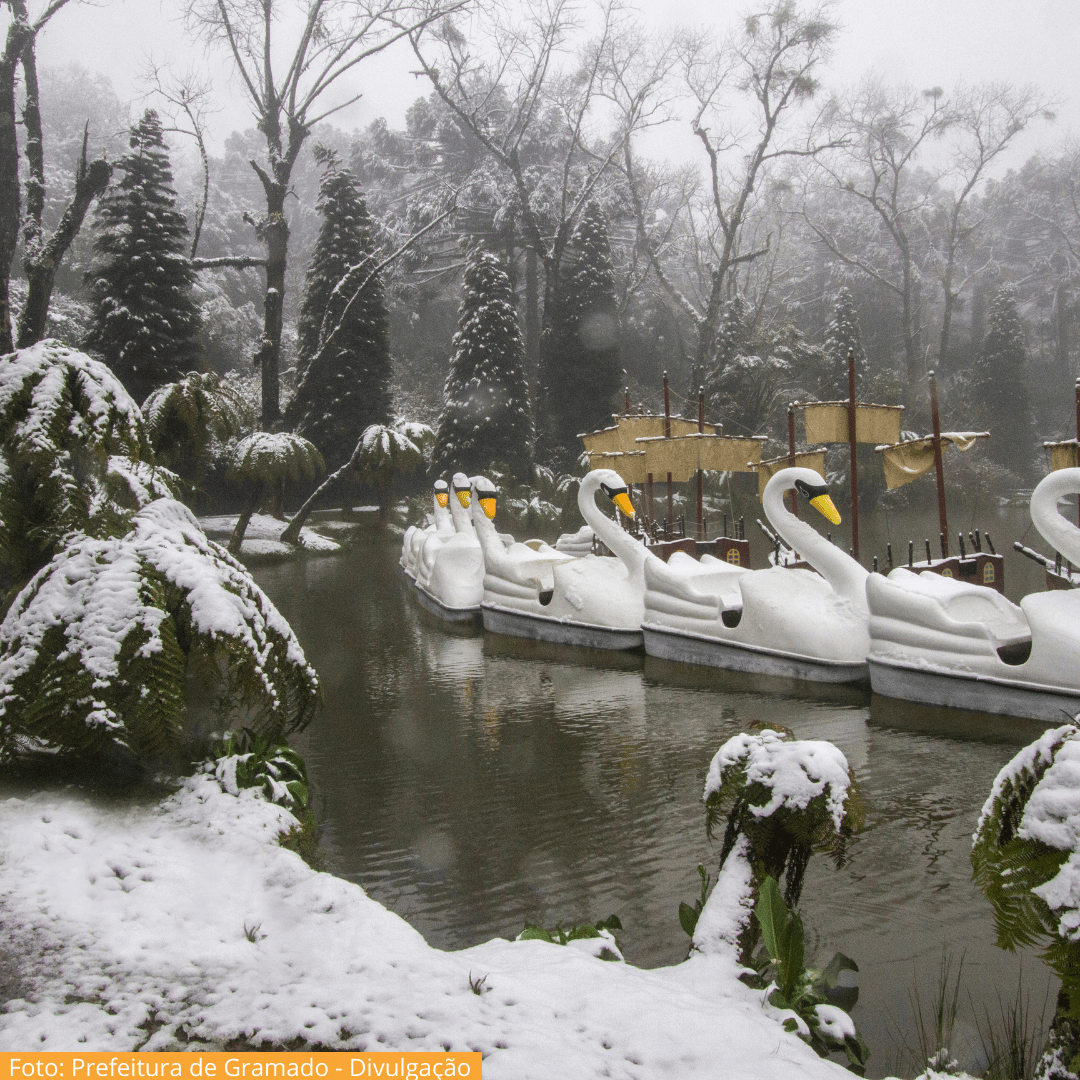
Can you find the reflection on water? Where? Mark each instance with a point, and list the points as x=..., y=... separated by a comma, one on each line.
x=473, y=783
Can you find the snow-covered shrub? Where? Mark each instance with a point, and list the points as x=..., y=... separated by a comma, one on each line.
x=241, y=760
x=63, y=416
x=598, y=939
x=1026, y=858
x=780, y=799
x=95, y=649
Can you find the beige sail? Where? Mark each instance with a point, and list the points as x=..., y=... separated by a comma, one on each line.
x=683, y=455
x=908, y=461
x=631, y=466
x=624, y=434
x=807, y=459
x=1063, y=455
x=828, y=423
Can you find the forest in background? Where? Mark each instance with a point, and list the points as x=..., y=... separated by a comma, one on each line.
x=875, y=216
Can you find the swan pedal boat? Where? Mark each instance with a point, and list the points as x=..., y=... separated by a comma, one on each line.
x=439, y=521
x=790, y=623
x=533, y=591
x=448, y=573
x=951, y=644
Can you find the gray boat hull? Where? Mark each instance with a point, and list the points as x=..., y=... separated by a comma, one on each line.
x=975, y=694
x=436, y=607
x=500, y=620
x=686, y=648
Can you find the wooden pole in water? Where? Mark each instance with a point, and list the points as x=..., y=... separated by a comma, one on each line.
x=701, y=429
x=1078, y=440
x=791, y=456
x=935, y=419
x=667, y=435
x=851, y=445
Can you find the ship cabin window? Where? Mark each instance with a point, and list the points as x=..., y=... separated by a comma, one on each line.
x=988, y=573
x=733, y=556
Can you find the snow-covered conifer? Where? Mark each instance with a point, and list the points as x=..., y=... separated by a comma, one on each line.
x=841, y=337
x=145, y=321
x=583, y=374
x=485, y=417
x=345, y=381
x=1001, y=385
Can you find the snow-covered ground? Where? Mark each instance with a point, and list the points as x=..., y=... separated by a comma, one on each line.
x=261, y=538
x=149, y=926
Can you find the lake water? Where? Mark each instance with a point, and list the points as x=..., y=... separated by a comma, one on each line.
x=473, y=783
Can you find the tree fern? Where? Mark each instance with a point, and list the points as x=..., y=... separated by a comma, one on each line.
x=96, y=648
x=62, y=416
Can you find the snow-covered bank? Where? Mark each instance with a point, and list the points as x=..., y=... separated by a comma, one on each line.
x=150, y=926
x=261, y=539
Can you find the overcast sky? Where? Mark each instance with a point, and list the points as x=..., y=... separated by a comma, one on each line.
x=925, y=42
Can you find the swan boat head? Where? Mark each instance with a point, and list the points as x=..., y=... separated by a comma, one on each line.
x=442, y=493
x=818, y=497
x=461, y=489
x=613, y=486
x=486, y=495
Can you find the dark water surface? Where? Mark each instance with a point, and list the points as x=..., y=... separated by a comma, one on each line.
x=473, y=783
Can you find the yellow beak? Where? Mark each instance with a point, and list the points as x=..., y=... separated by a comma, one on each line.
x=488, y=506
x=622, y=501
x=463, y=498
x=824, y=506
x=442, y=499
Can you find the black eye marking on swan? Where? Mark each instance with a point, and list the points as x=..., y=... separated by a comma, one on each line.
x=612, y=492
x=808, y=492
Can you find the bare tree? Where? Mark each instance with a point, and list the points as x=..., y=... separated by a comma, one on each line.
x=883, y=131
x=770, y=65
x=531, y=104
x=986, y=120
x=332, y=38
x=42, y=253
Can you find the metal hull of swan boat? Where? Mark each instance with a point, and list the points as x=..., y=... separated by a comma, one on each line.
x=437, y=607
x=688, y=648
x=975, y=693
x=503, y=620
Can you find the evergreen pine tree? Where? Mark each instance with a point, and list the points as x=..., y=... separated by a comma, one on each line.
x=841, y=336
x=347, y=387
x=485, y=417
x=1001, y=386
x=732, y=340
x=583, y=374
x=145, y=320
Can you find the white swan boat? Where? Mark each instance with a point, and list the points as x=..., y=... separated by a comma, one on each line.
x=440, y=522
x=449, y=571
x=785, y=622
x=948, y=643
x=533, y=591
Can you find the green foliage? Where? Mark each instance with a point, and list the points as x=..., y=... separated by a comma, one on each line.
x=95, y=651
x=485, y=416
x=688, y=916
x=602, y=929
x=781, y=964
x=244, y=759
x=145, y=319
x=63, y=416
